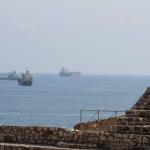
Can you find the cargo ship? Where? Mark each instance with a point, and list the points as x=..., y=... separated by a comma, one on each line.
x=66, y=73
x=26, y=79
x=9, y=76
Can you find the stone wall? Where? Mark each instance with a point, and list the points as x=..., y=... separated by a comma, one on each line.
x=63, y=137
x=48, y=136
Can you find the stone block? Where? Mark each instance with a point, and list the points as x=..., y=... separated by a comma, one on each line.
x=2, y=134
x=96, y=139
x=45, y=129
x=14, y=139
x=110, y=138
x=54, y=138
x=31, y=141
x=80, y=133
x=65, y=134
x=52, y=129
x=60, y=133
x=39, y=141
x=27, y=131
x=39, y=129
x=1, y=139
x=70, y=134
x=103, y=138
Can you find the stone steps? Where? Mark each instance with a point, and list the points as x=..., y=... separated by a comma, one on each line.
x=137, y=129
x=139, y=113
x=133, y=121
x=18, y=146
x=136, y=120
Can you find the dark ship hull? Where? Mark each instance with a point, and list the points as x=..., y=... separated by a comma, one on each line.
x=24, y=82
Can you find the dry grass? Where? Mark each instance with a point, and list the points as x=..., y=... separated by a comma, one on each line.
x=101, y=125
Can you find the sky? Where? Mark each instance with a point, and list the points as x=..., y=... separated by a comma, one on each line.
x=91, y=36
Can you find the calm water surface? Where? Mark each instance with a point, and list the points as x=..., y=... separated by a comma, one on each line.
x=57, y=101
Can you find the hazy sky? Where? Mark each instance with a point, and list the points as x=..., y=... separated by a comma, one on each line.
x=91, y=36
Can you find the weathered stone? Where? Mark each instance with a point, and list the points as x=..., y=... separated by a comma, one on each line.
x=65, y=134
x=70, y=134
x=39, y=141
x=96, y=139
x=14, y=139
x=19, y=137
x=1, y=139
x=54, y=138
x=39, y=129
x=103, y=138
x=52, y=129
x=27, y=131
x=44, y=129
x=45, y=142
x=2, y=134
x=80, y=133
x=31, y=141
x=60, y=133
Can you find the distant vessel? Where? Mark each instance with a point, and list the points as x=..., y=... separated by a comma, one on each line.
x=10, y=76
x=26, y=79
x=66, y=73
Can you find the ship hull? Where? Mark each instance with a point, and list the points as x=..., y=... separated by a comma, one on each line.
x=63, y=74
x=5, y=78
x=24, y=82
x=69, y=74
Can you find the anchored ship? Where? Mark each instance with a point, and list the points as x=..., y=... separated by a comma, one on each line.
x=26, y=79
x=9, y=76
x=66, y=73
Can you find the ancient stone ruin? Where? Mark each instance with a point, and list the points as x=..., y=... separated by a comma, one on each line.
x=137, y=119
x=130, y=131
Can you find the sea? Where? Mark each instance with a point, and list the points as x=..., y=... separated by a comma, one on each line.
x=66, y=101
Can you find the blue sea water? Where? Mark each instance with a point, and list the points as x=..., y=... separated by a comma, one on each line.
x=57, y=101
